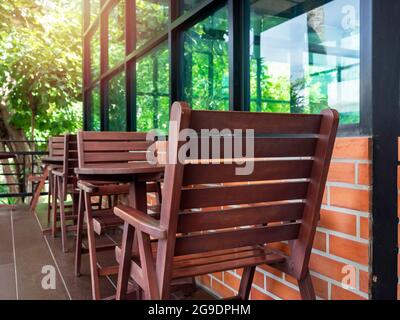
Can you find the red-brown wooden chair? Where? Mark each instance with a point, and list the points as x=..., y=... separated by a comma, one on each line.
x=278, y=201
x=64, y=183
x=99, y=148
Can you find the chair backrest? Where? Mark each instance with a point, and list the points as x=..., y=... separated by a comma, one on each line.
x=209, y=206
x=111, y=147
x=56, y=146
x=70, y=161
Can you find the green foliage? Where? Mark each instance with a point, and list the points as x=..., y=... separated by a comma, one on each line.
x=40, y=65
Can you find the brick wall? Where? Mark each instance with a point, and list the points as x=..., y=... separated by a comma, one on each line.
x=341, y=245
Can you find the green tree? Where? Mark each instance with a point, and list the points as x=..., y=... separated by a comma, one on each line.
x=40, y=72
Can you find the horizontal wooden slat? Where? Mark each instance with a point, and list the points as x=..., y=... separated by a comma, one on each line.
x=268, y=258
x=260, y=122
x=58, y=139
x=115, y=157
x=189, y=244
x=214, y=220
x=262, y=170
x=110, y=146
x=201, y=197
x=258, y=147
x=113, y=136
x=58, y=152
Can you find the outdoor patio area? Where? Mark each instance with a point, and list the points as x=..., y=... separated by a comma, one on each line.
x=26, y=256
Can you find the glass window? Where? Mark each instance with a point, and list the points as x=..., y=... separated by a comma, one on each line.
x=206, y=63
x=116, y=103
x=152, y=101
x=95, y=111
x=151, y=19
x=95, y=55
x=116, y=35
x=307, y=61
x=190, y=4
x=94, y=9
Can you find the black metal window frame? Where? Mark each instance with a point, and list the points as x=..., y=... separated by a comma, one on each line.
x=239, y=56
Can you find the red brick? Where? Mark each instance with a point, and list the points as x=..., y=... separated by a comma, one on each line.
x=222, y=290
x=364, y=281
x=320, y=286
x=259, y=279
x=364, y=174
x=340, y=222
x=342, y=172
x=320, y=241
x=205, y=280
x=325, y=197
x=256, y=294
x=350, y=198
x=349, y=249
x=231, y=281
x=364, y=228
x=281, y=290
x=352, y=148
x=272, y=270
x=339, y=293
x=327, y=267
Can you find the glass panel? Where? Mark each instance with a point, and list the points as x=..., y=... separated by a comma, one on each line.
x=206, y=63
x=151, y=19
x=94, y=9
x=95, y=55
x=152, y=102
x=95, y=110
x=116, y=103
x=307, y=61
x=116, y=35
x=190, y=4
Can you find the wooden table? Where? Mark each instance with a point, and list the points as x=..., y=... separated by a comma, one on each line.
x=137, y=175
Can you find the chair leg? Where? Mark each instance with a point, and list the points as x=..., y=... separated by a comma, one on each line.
x=306, y=288
x=150, y=289
x=246, y=282
x=49, y=199
x=55, y=205
x=125, y=261
x=62, y=217
x=94, y=272
x=79, y=235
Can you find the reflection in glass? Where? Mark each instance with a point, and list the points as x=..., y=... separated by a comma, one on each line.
x=190, y=4
x=206, y=63
x=306, y=61
x=116, y=35
x=152, y=18
x=116, y=103
x=152, y=102
x=95, y=111
x=94, y=9
x=95, y=55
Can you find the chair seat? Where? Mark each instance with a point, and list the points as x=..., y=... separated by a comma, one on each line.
x=215, y=261
x=104, y=219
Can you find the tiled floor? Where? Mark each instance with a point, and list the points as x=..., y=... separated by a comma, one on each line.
x=26, y=256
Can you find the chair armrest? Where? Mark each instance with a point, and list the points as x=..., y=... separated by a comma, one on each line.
x=141, y=221
x=58, y=173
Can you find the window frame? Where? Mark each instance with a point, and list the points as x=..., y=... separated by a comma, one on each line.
x=179, y=21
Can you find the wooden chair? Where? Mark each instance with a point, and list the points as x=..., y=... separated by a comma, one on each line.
x=278, y=201
x=65, y=183
x=109, y=148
